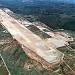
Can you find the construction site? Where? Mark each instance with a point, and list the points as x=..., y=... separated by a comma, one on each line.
x=34, y=48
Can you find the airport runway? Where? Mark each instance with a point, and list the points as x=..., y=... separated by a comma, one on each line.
x=26, y=38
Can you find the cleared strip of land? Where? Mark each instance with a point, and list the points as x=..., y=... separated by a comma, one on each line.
x=29, y=39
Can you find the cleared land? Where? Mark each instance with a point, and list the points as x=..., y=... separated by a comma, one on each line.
x=29, y=39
